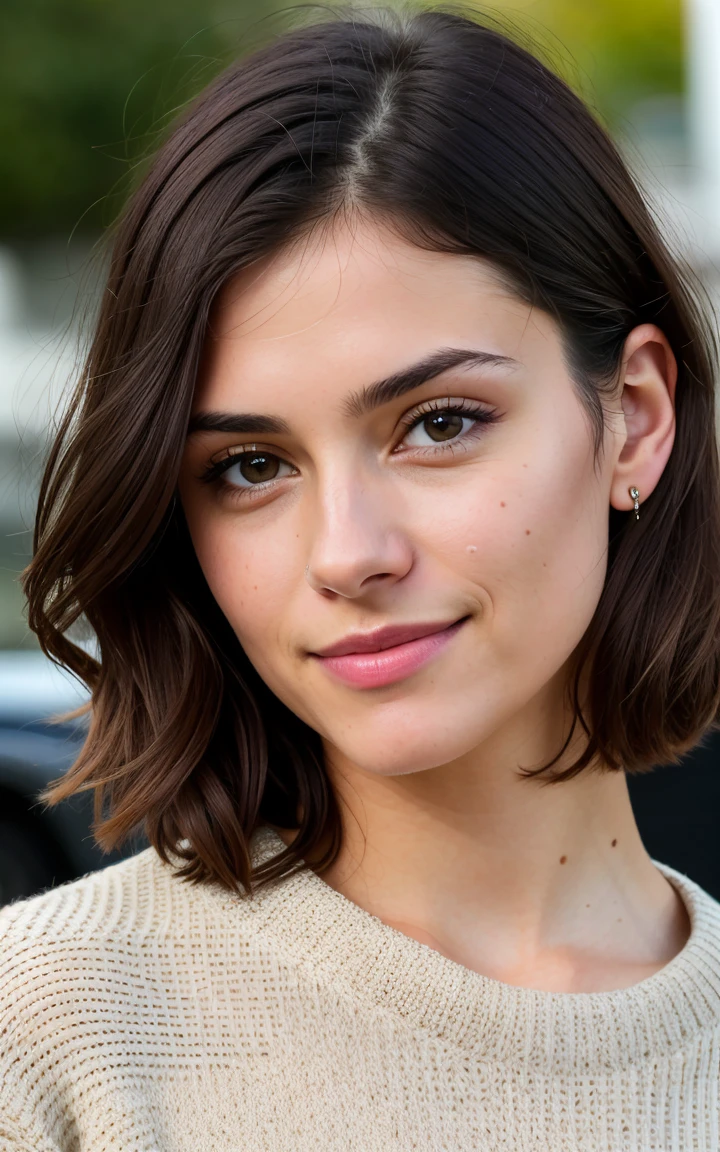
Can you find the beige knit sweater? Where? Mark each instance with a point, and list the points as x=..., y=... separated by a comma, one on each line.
x=138, y=1012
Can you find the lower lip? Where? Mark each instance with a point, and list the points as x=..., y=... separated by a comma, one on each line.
x=376, y=669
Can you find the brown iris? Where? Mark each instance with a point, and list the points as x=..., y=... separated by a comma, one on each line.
x=443, y=425
x=258, y=467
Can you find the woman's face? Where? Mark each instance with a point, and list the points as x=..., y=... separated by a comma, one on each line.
x=385, y=438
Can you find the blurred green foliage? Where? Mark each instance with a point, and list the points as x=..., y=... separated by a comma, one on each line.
x=85, y=85
x=617, y=52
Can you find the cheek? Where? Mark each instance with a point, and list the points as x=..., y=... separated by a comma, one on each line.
x=529, y=537
x=252, y=574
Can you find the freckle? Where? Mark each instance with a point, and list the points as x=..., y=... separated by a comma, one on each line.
x=471, y=548
x=527, y=531
x=563, y=859
x=544, y=564
x=254, y=587
x=587, y=905
x=502, y=504
x=613, y=843
x=619, y=919
x=524, y=465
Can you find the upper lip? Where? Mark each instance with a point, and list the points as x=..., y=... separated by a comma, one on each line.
x=382, y=638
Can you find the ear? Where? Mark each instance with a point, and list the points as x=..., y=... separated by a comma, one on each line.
x=648, y=376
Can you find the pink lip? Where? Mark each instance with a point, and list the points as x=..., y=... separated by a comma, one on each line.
x=388, y=655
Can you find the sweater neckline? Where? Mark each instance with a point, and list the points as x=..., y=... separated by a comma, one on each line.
x=334, y=939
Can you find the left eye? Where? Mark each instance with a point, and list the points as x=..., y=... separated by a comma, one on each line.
x=439, y=426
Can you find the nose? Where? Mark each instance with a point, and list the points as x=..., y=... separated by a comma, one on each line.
x=358, y=543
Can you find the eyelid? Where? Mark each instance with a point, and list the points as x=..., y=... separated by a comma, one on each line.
x=238, y=449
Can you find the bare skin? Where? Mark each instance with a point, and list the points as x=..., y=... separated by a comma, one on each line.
x=360, y=519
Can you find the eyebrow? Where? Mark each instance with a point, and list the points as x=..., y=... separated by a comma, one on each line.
x=407, y=379
x=240, y=423
x=360, y=402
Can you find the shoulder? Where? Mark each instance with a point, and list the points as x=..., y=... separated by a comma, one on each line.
x=107, y=974
x=697, y=966
x=95, y=905
x=130, y=972
x=75, y=958
x=60, y=956
x=703, y=908
x=138, y=908
x=49, y=943
x=97, y=951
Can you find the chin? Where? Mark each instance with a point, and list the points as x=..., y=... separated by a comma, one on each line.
x=382, y=752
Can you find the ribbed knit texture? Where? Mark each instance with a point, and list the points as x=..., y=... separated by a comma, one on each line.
x=139, y=1012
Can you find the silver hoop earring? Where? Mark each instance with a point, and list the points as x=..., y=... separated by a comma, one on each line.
x=635, y=495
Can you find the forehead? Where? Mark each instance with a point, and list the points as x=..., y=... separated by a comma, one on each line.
x=350, y=305
x=342, y=276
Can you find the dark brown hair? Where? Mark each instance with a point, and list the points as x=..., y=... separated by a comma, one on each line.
x=466, y=143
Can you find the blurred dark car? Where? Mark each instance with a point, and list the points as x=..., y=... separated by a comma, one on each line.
x=678, y=812
x=40, y=847
x=677, y=808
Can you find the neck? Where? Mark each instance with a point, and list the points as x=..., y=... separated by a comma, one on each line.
x=540, y=886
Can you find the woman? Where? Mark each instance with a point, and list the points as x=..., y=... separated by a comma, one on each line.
x=390, y=492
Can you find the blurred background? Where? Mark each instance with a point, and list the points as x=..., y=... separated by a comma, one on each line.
x=86, y=91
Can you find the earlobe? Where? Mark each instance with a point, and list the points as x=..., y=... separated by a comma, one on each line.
x=648, y=377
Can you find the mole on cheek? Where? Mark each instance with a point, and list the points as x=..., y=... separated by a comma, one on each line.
x=502, y=504
x=563, y=859
x=527, y=531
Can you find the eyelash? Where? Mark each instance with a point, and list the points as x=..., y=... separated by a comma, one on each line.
x=483, y=417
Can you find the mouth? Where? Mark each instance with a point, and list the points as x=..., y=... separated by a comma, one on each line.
x=375, y=659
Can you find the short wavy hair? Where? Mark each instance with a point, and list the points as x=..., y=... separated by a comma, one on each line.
x=442, y=125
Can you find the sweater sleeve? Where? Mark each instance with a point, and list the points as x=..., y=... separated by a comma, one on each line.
x=20, y=1127
x=12, y=1139
x=26, y=1099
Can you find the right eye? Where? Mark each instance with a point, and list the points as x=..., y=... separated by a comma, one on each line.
x=248, y=469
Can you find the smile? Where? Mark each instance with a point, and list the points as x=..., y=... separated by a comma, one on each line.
x=391, y=657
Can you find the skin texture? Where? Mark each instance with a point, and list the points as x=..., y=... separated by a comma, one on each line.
x=368, y=523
